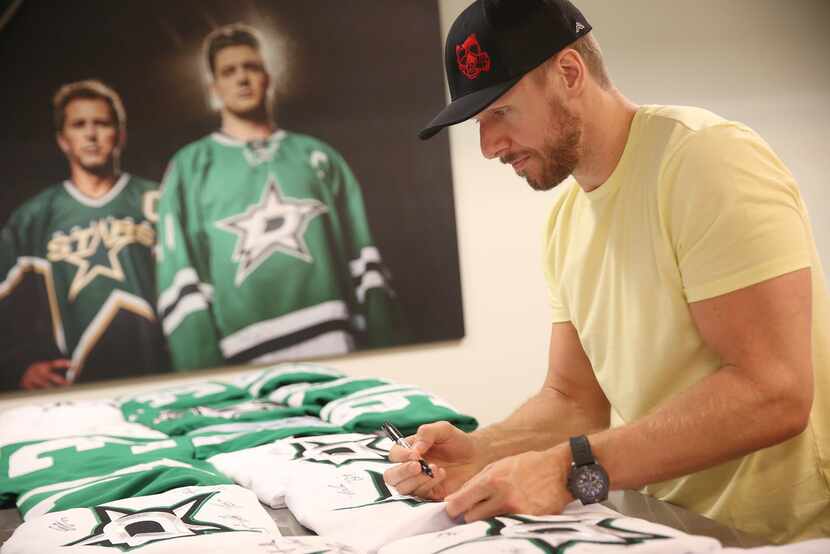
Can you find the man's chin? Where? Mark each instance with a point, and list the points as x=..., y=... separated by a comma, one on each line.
x=252, y=111
x=543, y=185
x=97, y=167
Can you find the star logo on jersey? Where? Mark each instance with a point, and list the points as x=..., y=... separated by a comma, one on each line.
x=341, y=453
x=276, y=224
x=95, y=249
x=127, y=529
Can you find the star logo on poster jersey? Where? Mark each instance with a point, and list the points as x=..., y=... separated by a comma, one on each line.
x=127, y=529
x=92, y=260
x=276, y=224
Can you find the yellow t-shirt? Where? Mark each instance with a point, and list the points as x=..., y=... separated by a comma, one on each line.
x=697, y=207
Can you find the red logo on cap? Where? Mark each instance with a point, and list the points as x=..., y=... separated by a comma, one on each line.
x=472, y=60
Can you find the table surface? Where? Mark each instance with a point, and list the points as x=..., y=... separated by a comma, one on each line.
x=630, y=503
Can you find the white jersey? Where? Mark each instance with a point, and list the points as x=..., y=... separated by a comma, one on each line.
x=580, y=529
x=224, y=518
x=65, y=419
x=352, y=504
x=244, y=435
x=267, y=469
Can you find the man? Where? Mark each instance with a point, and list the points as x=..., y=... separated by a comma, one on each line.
x=78, y=286
x=686, y=290
x=265, y=251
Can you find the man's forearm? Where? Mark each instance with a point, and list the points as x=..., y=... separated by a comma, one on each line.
x=545, y=419
x=701, y=427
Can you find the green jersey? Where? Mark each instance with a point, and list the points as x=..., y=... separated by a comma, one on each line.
x=179, y=422
x=320, y=394
x=77, y=280
x=202, y=393
x=231, y=437
x=405, y=406
x=28, y=465
x=157, y=476
x=265, y=254
x=262, y=382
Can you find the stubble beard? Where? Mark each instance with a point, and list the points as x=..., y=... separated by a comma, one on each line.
x=559, y=155
x=255, y=114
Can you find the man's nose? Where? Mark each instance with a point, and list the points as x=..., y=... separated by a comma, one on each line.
x=493, y=141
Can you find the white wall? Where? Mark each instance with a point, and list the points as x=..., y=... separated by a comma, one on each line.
x=763, y=62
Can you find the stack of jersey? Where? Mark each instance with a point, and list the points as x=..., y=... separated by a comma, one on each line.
x=363, y=404
x=333, y=484
x=89, y=457
x=268, y=469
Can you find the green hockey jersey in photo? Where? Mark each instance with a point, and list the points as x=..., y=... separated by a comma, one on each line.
x=77, y=281
x=265, y=254
x=59, y=463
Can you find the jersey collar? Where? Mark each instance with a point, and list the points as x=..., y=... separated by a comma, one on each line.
x=75, y=193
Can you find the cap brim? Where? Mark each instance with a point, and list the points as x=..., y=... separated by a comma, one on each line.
x=466, y=107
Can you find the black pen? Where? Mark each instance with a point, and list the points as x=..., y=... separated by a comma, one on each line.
x=395, y=435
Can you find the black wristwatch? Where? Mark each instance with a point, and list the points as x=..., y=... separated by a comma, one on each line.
x=587, y=480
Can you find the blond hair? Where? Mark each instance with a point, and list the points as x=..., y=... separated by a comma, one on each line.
x=91, y=89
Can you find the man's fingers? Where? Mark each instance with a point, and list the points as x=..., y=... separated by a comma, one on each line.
x=492, y=506
x=430, y=434
x=60, y=363
x=401, y=454
x=56, y=379
x=430, y=487
x=397, y=476
x=473, y=492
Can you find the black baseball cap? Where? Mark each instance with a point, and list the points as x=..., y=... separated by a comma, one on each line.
x=493, y=43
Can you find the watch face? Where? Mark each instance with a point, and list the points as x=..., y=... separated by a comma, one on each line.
x=590, y=483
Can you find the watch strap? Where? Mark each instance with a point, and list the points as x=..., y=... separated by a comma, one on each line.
x=581, y=451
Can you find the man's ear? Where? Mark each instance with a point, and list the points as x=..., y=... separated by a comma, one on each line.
x=572, y=71
x=62, y=144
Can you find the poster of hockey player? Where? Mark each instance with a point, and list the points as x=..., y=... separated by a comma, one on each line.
x=201, y=184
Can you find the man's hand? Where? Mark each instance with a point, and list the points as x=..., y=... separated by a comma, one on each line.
x=42, y=375
x=453, y=455
x=529, y=483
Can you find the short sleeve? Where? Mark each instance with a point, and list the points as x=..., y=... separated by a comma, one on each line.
x=553, y=255
x=733, y=212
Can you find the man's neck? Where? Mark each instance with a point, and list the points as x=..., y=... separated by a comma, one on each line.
x=246, y=129
x=93, y=185
x=604, y=136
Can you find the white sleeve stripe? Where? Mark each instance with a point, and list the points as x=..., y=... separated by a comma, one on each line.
x=169, y=237
x=183, y=278
x=370, y=280
x=186, y=306
x=368, y=255
x=23, y=263
x=270, y=329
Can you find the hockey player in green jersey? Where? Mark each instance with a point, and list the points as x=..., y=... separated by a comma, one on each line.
x=264, y=248
x=76, y=262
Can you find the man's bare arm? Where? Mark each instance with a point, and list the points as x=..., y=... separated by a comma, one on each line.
x=761, y=395
x=570, y=402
